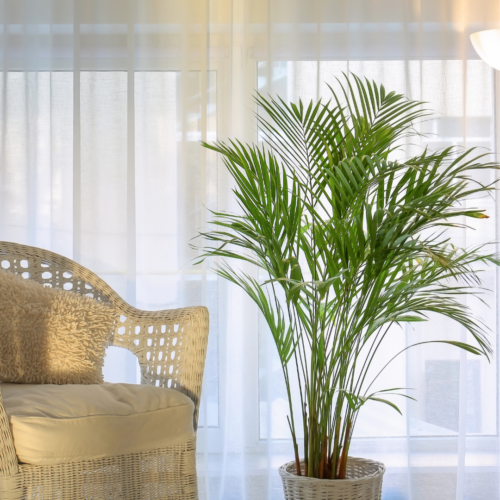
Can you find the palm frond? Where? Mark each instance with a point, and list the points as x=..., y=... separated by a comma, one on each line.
x=350, y=243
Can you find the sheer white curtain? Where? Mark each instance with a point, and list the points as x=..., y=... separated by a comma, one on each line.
x=103, y=104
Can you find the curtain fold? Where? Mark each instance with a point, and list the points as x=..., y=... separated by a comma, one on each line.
x=103, y=104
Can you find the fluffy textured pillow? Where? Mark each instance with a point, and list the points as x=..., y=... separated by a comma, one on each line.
x=51, y=336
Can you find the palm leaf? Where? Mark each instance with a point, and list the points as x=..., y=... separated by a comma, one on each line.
x=350, y=243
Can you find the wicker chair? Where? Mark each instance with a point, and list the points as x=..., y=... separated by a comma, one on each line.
x=156, y=474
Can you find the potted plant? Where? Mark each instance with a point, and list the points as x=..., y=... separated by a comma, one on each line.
x=349, y=243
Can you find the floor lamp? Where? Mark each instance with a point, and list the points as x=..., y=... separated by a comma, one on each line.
x=487, y=45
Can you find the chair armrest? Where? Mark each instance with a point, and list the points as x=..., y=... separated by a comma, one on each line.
x=8, y=458
x=171, y=346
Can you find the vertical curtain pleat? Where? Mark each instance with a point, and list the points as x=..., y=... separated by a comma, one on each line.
x=131, y=178
x=77, y=168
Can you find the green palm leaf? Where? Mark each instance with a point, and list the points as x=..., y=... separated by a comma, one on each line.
x=350, y=243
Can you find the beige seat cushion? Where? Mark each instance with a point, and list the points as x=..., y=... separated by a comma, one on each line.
x=54, y=424
x=51, y=336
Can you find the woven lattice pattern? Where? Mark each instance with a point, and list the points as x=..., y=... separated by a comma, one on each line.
x=171, y=348
x=364, y=482
x=158, y=474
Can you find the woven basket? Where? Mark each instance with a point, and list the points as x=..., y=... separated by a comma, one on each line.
x=364, y=482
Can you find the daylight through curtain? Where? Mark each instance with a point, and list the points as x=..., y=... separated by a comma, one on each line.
x=103, y=104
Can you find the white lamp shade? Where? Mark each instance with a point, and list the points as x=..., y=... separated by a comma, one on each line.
x=487, y=45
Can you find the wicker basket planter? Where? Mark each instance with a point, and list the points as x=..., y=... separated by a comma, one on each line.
x=364, y=482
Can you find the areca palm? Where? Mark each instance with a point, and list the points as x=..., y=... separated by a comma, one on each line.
x=350, y=243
